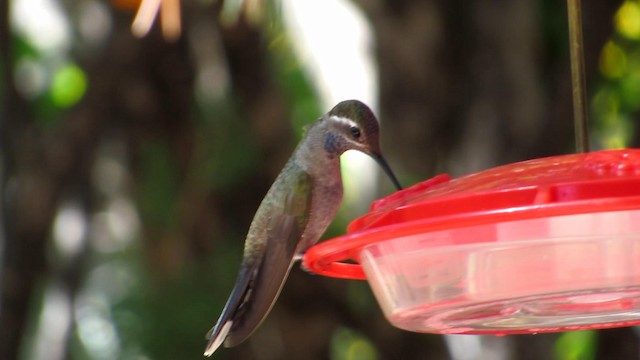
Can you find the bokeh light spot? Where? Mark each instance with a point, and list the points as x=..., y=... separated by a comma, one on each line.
x=575, y=345
x=613, y=61
x=68, y=86
x=627, y=20
x=606, y=102
x=69, y=229
x=30, y=77
x=347, y=344
x=630, y=88
x=43, y=23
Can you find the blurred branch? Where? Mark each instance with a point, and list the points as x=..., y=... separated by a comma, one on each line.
x=261, y=97
x=37, y=166
x=22, y=251
x=170, y=18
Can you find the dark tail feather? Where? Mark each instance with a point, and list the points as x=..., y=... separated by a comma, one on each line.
x=219, y=332
x=267, y=283
x=264, y=293
x=257, y=288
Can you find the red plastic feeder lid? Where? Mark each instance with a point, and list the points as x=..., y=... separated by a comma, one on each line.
x=543, y=245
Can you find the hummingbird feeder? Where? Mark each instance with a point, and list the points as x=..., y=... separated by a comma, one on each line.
x=544, y=245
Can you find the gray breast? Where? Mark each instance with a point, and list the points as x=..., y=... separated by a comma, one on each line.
x=326, y=201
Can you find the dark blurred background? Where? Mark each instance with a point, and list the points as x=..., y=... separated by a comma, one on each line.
x=132, y=166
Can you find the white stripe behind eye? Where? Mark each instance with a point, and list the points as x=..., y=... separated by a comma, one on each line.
x=344, y=120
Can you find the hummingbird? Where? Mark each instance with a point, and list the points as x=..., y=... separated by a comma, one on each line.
x=293, y=215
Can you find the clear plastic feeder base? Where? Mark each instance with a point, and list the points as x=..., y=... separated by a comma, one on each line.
x=578, y=270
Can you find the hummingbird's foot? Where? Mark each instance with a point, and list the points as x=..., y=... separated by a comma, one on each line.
x=303, y=266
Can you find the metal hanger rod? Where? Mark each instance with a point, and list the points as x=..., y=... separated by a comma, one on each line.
x=578, y=82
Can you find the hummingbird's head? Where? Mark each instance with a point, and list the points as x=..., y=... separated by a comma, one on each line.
x=351, y=125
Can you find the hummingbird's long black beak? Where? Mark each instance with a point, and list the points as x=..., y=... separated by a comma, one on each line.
x=383, y=164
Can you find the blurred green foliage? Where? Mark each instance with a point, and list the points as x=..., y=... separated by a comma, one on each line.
x=68, y=85
x=576, y=345
x=617, y=93
x=349, y=345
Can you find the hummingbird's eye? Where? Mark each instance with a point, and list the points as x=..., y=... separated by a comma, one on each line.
x=355, y=132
